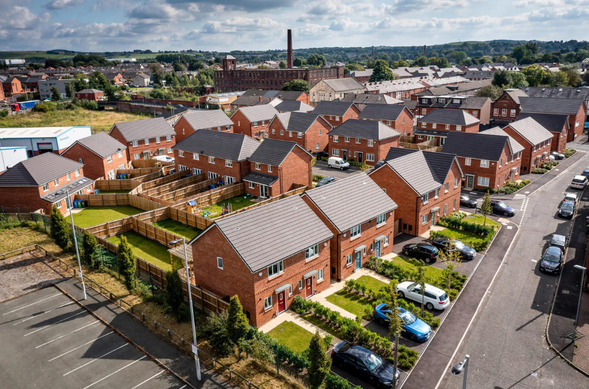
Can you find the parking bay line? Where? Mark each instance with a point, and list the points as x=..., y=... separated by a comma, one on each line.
x=69, y=333
x=95, y=359
x=57, y=322
x=44, y=312
x=29, y=305
x=147, y=380
x=115, y=372
x=76, y=348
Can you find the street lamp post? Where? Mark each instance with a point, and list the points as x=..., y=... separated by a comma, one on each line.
x=457, y=369
x=67, y=199
x=194, y=348
x=579, y=302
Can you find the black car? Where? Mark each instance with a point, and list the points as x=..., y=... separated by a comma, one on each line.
x=559, y=241
x=424, y=251
x=500, y=208
x=585, y=173
x=379, y=164
x=567, y=209
x=325, y=181
x=551, y=260
x=364, y=363
x=320, y=154
x=447, y=245
x=467, y=201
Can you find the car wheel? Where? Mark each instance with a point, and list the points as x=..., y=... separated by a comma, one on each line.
x=413, y=337
x=401, y=294
x=429, y=306
x=405, y=253
x=427, y=260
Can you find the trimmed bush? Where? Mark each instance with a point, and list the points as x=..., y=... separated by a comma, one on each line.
x=317, y=177
x=538, y=171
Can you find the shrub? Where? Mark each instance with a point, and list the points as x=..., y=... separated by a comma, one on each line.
x=59, y=228
x=45, y=106
x=538, y=171
x=92, y=105
x=317, y=177
x=568, y=152
x=3, y=113
x=174, y=293
x=333, y=381
x=237, y=323
x=215, y=330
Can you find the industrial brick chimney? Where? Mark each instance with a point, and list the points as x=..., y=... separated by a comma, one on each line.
x=289, y=59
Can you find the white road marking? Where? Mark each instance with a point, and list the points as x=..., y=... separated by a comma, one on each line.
x=29, y=305
x=115, y=372
x=149, y=379
x=533, y=260
x=69, y=333
x=95, y=359
x=42, y=313
x=57, y=322
x=76, y=348
x=509, y=227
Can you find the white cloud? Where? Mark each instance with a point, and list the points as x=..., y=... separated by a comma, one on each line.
x=60, y=4
x=156, y=9
x=405, y=6
x=21, y=18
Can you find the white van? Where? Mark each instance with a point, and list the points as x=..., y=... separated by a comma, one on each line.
x=579, y=182
x=164, y=158
x=337, y=162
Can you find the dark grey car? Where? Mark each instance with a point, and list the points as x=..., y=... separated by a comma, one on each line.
x=559, y=241
x=551, y=260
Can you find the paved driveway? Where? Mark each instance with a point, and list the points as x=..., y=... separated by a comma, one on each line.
x=321, y=168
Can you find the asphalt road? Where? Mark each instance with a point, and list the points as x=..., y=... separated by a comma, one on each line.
x=506, y=339
x=321, y=169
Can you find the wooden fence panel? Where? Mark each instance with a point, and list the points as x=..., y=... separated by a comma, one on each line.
x=184, y=193
x=146, y=186
x=190, y=219
x=174, y=185
x=142, y=203
x=105, y=185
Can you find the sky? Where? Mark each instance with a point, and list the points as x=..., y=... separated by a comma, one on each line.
x=224, y=25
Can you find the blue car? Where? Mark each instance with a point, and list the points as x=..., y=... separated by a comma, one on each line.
x=413, y=327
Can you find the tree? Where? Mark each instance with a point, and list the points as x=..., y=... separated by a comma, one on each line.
x=419, y=276
x=297, y=85
x=55, y=95
x=299, y=62
x=70, y=90
x=492, y=91
x=535, y=74
x=502, y=78
x=486, y=207
x=518, y=80
x=174, y=292
x=352, y=66
x=452, y=257
x=559, y=78
x=316, y=60
x=382, y=72
x=458, y=56
x=319, y=362
x=574, y=77
x=282, y=65
x=400, y=64
x=59, y=228
x=395, y=325
x=126, y=262
x=237, y=323
x=89, y=247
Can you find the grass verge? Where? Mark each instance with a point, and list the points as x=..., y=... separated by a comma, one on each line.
x=404, y=262
x=292, y=335
x=480, y=219
x=92, y=216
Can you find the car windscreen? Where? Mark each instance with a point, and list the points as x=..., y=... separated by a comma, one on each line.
x=373, y=361
x=443, y=297
x=408, y=318
x=458, y=245
x=501, y=204
x=567, y=206
x=551, y=258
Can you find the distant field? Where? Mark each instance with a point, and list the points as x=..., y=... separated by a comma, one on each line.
x=101, y=120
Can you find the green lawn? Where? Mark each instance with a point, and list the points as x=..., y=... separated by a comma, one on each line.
x=92, y=216
x=459, y=234
x=352, y=302
x=430, y=271
x=321, y=324
x=292, y=335
x=236, y=202
x=480, y=219
x=149, y=250
x=178, y=228
x=371, y=283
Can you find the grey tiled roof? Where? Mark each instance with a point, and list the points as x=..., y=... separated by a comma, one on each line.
x=226, y=145
x=337, y=108
x=370, y=98
x=90, y=91
x=206, y=119
x=351, y=201
x=293, y=106
x=344, y=84
x=258, y=113
x=449, y=116
x=38, y=170
x=298, y=121
x=365, y=129
x=281, y=94
x=553, y=123
x=249, y=101
x=382, y=111
x=145, y=129
x=260, y=178
x=531, y=130
x=272, y=151
x=101, y=144
x=516, y=147
x=558, y=92
x=550, y=105
x=475, y=145
x=288, y=227
x=515, y=94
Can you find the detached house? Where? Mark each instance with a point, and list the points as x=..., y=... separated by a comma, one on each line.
x=479, y=107
x=575, y=109
x=334, y=89
x=337, y=112
x=194, y=120
x=42, y=181
x=267, y=256
x=362, y=141
x=101, y=155
x=310, y=131
x=425, y=185
x=488, y=159
x=506, y=108
x=253, y=121
x=360, y=216
x=276, y=167
x=535, y=139
x=216, y=154
x=437, y=124
x=398, y=117
x=145, y=138
x=90, y=95
x=558, y=125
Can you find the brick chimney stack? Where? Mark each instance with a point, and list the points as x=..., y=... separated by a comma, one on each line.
x=289, y=59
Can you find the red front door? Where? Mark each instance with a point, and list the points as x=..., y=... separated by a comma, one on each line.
x=308, y=287
x=281, y=301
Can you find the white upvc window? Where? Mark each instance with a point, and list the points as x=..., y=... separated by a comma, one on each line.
x=456, y=181
x=146, y=141
x=257, y=166
x=58, y=205
x=228, y=163
x=196, y=171
x=483, y=181
x=320, y=275
x=446, y=185
x=275, y=269
x=170, y=150
x=135, y=143
x=269, y=168
x=425, y=198
x=220, y=263
x=195, y=156
x=423, y=125
x=312, y=252
x=168, y=138
x=484, y=163
x=356, y=231
x=370, y=157
x=290, y=134
x=109, y=158
x=358, y=140
x=300, y=284
x=370, y=142
x=467, y=161
x=213, y=175
x=335, y=138
x=157, y=139
x=316, y=146
x=68, y=176
x=120, y=154
x=273, y=131
x=299, y=134
x=181, y=153
x=212, y=160
x=436, y=195
x=349, y=260
x=137, y=156
x=447, y=127
x=381, y=219
x=424, y=219
x=268, y=302
x=77, y=172
x=386, y=241
x=500, y=162
x=281, y=132
x=346, y=139
x=458, y=127
x=182, y=168
x=335, y=152
x=252, y=185
x=45, y=187
x=434, y=125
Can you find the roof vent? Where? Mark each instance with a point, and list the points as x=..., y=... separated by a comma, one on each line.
x=237, y=228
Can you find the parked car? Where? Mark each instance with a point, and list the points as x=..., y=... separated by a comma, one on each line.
x=434, y=298
x=448, y=245
x=320, y=154
x=551, y=260
x=559, y=241
x=566, y=210
x=413, y=327
x=338, y=163
x=164, y=158
x=467, y=201
x=325, y=181
x=379, y=164
x=557, y=155
x=585, y=173
x=500, y=208
x=423, y=251
x=571, y=197
x=580, y=181
x=364, y=363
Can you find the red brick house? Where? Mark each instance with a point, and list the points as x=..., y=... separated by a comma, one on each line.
x=101, y=155
x=12, y=86
x=191, y=121
x=2, y=97
x=575, y=109
x=115, y=78
x=42, y=181
x=362, y=141
x=216, y=154
x=360, y=216
x=558, y=125
x=255, y=96
x=267, y=256
x=396, y=116
x=506, y=108
x=426, y=186
x=253, y=121
x=479, y=107
x=276, y=167
x=488, y=159
x=535, y=139
x=310, y=131
x=337, y=112
x=90, y=95
x=293, y=106
x=145, y=138
x=437, y=124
